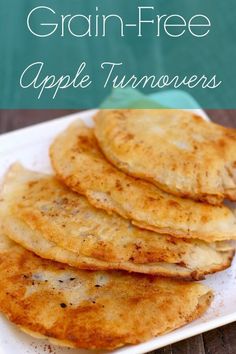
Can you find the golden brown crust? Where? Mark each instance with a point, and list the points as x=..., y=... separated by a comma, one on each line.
x=79, y=163
x=34, y=241
x=176, y=150
x=67, y=220
x=92, y=309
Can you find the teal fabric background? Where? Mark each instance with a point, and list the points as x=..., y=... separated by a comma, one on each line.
x=149, y=55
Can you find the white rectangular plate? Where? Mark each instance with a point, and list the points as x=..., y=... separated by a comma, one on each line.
x=30, y=147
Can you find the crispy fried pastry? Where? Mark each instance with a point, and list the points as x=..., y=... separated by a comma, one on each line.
x=176, y=150
x=92, y=309
x=35, y=207
x=79, y=163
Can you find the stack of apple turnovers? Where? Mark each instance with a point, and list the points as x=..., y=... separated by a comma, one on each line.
x=110, y=250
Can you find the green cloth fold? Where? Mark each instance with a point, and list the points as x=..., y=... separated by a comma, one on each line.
x=132, y=98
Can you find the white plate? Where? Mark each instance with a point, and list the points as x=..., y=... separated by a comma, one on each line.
x=30, y=147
